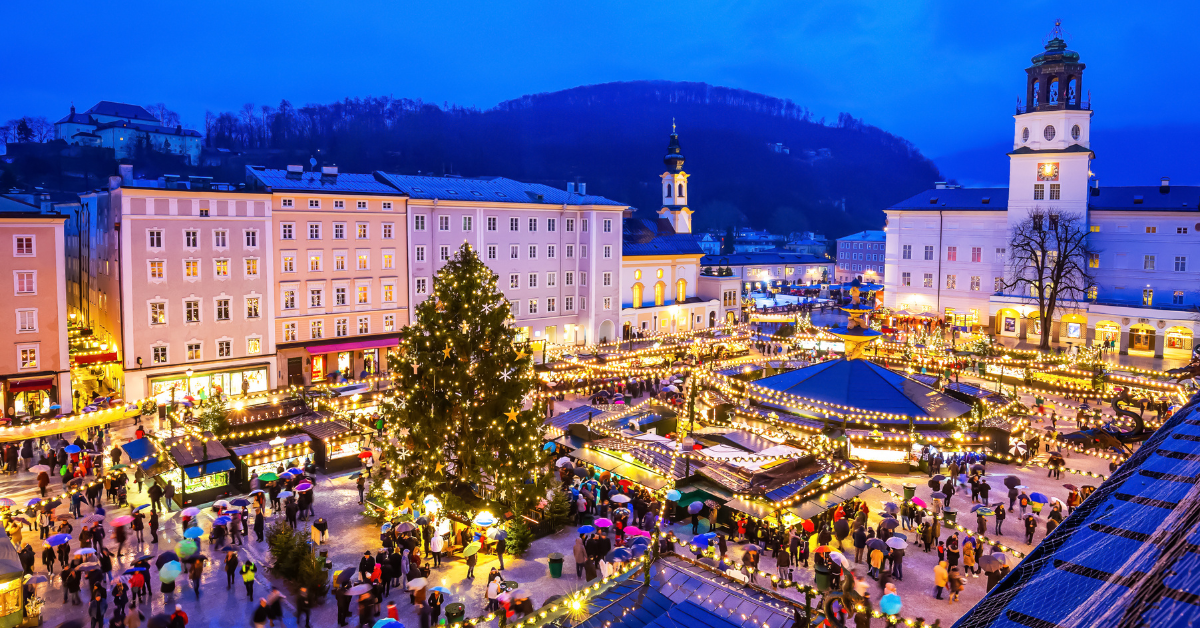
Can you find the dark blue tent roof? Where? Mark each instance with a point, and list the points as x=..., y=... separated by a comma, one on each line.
x=574, y=415
x=867, y=386
x=690, y=614
x=138, y=449
x=209, y=468
x=1128, y=554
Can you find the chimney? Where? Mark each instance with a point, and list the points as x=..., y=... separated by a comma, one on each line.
x=295, y=169
x=583, y=189
x=1095, y=187
x=570, y=187
x=329, y=171
x=939, y=185
x=126, y=172
x=295, y=172
x=1165, y=185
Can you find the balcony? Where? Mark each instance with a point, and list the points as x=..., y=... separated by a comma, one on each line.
x=1061, y=105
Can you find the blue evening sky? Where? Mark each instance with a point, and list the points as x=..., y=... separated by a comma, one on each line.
x=944, y=75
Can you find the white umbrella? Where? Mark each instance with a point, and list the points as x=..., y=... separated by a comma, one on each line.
x=896, y=542
x=840, y=559
x=418, y=583
x=620, y=499
x=564, y=461
x=672, y=388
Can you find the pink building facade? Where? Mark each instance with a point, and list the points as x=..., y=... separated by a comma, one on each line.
x=197, y=294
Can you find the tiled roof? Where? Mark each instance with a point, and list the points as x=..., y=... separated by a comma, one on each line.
x=122, y=110
x=76, y=118
x=579, y=414
x=148, y=128
x=865, y=236
x=279, y=180
x=491, y=189
x=775, y=256
x=1145, y=197
x=978, y=199
x=643, y=236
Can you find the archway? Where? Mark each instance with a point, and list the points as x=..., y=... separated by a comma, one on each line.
x=681, y=290
x=1178, y=342
x=638, y=288
x=1108, y=334
x=731, y=318
x=1072, y=327
x=660, y=293
x=607, y=331
x=626, y=330
x=1008, y=322
x=1141, y=338
x=712, y=318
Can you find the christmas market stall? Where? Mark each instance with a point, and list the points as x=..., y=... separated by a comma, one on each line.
x=336, y=442
x=203, y=467
x=271, y=456
x=11, y=595
x=645, y=462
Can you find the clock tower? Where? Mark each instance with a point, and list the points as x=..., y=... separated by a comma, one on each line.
x=1050, y=163
x=675, y=188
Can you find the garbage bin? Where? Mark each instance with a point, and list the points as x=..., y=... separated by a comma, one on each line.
x=910, y=491
x=455, y=613
x=556, y=563
x=821, y=578
x=950, y=515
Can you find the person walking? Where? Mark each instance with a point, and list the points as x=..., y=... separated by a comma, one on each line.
x=361, y=483
x=169, y=494
x=304, y=607
x=231, y=566
x=783, y=565
x=1030, y=528
x=154, y=527
x=96, y=610
x=860, y=543
x=501, y=545
x=249, y=570
x=471, y=561
x=580, y=554
x=259, y=525
x=999, y=520
x=259, y=617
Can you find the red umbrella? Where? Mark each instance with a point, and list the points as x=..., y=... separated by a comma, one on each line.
x=824, y=548
x=625, y=483
x=364, y=455
x=808, y=525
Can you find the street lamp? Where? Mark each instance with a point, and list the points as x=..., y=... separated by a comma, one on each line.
x=189, y=380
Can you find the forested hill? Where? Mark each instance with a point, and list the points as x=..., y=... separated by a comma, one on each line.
x=835, y=177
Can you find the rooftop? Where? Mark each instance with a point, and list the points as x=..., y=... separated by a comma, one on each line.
x=774, y=256
x=865, y=236
x=1118, y=198
x=491, y=189
x=644, y=236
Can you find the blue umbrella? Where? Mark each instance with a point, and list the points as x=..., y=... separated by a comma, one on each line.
x=1039, y=498
x=638, y=550
x=694, y=508
x=33, y=502
x=73, y=449
x=287, y=474
x=443, y=590
x=133, y=570
x=222, y=521
x=296, y=471
x=619, y=554
x=241, y=501
x=388, y=622
x=548, y=446
x=193, y=533
x=141, y=508
x=587, y=529
x=674, y=495
x=58, y=539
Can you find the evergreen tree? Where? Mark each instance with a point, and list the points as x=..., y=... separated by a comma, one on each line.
x=561, y=511
x=460, y=381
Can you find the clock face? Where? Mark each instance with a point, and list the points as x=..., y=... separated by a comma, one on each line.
x=1047, y=171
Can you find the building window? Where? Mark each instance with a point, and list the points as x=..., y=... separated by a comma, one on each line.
x=606, y=280
x=514, y=252
x=191, y=239
x=1180, y=263
x=583, y=279
x=364, y=324
x=582, y=227
x=314, y=203
x=252, y=310
x=339, y=296
x=224, y=348
x=26, y=321
x=158, y=355
x=193, y=351
x=251, y=267
x=23, y=246
x=191, y=310
x=1055, y=193
x=387, y=230
x=389, y=261
x=251, y=238
x=420, y=254
x=222, y=309
x=551, y=303
x=533, y=280
x=443, y=223
x=289, y=332
x=287, y=230
x=287, y=202
x=998, y=284
x=420, y=286
x=568, y=303
x=289, y=263
x=608, y=303
x=952, y=254
x=906, y=279
x=158, y=313
x=221, y=267
x=419, y=222
x=389, y=322
x=389, y=293
x=364, y=295
x=570, y=251
x=951, y=282
x=1151, y=229
x=1148, y=263
x=364, y=261
x=975, y=283
x=444, y=253
x=607, y=227
x=314, y=231
x=569, y=278
x=583, y=250
x=491, y=223
x=191, y=269
x=156, y=272
x=1147, y=297
x=362, y=205
x=154, y=238
x=467, y=223
x=607, y=252
x=491, y=251
x=253, y=346
x=316, y=329
x=928, y=280
x=339, y=231
x=976, y=254
x=1177, y=297
x=550, y=251
x=551, y=224
x=1181, y=230
x=533, y=306
x=1093, y=260
x=315, y=298
x=551, y=280
x=341, y=327
x=906, y=251
x=928, y=252
x=1039, y=191
x=220, y=239
x=514, y=281
x=314, y=262
x=514, y=224
x=289, y=299
x=533, y=224
x=570, y=224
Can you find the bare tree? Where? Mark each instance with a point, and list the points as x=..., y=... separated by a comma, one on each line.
x=43, y=129
x=1048, y=256
x=165, y=116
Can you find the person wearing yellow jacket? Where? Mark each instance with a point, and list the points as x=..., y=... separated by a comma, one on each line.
x=249, y=570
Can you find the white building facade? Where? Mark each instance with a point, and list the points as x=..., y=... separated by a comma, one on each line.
x=947, y=247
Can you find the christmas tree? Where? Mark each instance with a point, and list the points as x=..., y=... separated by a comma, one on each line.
x=460, y=381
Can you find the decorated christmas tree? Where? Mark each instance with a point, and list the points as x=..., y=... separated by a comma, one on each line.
x=460, y=381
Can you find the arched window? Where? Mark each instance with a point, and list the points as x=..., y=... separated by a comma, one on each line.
x=1037, y=89
x=1072, y=91
x=637, y=295
x=1053, y=97
x=681, y=290
x=680, y=190
x=660, y=293
x=668, y=190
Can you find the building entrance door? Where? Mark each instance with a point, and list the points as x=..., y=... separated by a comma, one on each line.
x=295, y=372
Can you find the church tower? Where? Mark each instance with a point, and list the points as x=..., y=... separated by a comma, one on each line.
x=675, y=188
x=1050, y=163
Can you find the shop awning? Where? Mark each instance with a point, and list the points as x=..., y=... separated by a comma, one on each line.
x=41, y=383
x=619, y=467
x=209, y=468
x=92, y=358
x=352, y=346
x=138, y=449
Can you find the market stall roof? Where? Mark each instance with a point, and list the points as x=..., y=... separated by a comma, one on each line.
x=138, y=449
x=616, y=466
x=1125, y=557
x=188, y=450
x=10, y=561
x=723, y=452
x=745, y=439
x=209, y=468
x=578, y=414
x=265, y=445
x=657, y=456
x=777, y=450
x=323, y=429
x=867, y=386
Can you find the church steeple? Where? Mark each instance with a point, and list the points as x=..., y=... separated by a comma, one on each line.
x=675, y=187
